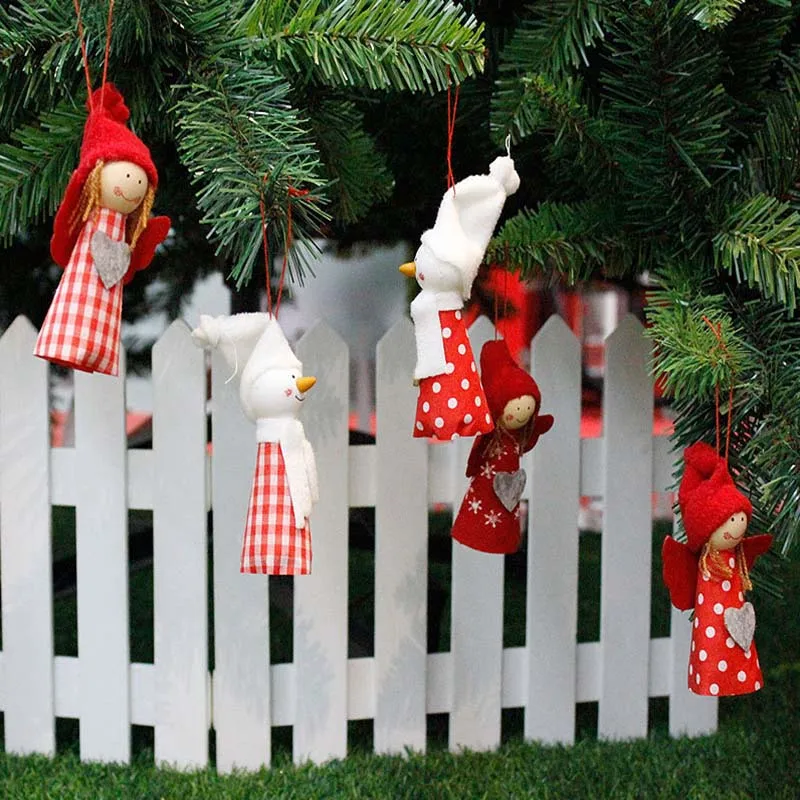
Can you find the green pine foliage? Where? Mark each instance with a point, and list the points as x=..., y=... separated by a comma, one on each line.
x=254, y=97
x=668, y=133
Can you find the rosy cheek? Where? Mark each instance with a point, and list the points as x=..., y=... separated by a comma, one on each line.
x=117, y=191
x=421, y=277
x=509, y=416
x=287, y=392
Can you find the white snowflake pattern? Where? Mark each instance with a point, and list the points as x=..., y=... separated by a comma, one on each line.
x=475, y=506
x=487, y=470
x=496, y=450
x=518, y=511
x=492, y=518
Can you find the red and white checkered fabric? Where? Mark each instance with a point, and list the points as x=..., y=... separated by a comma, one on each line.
x=81, y=329
x=272, y=544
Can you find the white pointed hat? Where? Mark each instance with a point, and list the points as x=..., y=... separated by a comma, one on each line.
x=467, y=217
x=272, y=351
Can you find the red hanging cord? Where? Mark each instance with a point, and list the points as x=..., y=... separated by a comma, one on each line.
x=292, y=193
x=452, y=109
x=108, y=48
x=717, y=331
x=82, y=41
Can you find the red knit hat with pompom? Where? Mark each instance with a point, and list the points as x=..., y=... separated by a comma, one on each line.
x=503, y=379
x=107, y=138
x=707, y=494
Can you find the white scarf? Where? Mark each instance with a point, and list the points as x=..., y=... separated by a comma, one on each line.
x=425, y=310
x=298, y=458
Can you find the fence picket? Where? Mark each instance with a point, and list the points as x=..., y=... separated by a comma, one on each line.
x=552, y=593
x=627, y=534
x=26, y=563
x=180, y=607
x=401, y=551
x=476, y=639
x=241, y=684
x=101, y=539
x=320, y=599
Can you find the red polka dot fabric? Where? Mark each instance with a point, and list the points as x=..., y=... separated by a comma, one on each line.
x=453, y=404
x=272, y=544
x=81, y=329
x=718, y=666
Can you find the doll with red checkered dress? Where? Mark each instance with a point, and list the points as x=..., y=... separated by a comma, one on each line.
x=710, y=574
x=102, y=235
x=272, y=389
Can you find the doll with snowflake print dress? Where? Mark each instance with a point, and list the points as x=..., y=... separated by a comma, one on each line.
x=489, y=517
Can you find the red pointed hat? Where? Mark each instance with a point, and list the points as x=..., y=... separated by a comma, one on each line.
x=107, y=138
x=503, y=379
x=707, y=494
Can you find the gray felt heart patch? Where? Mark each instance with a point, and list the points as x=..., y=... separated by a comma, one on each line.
x=111, y=259
x=741, y=624
x=508, y=486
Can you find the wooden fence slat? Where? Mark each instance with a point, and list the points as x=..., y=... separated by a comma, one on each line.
x=401, y=551
x=180, y=607
x=476, y=639
x=26, y=563
x=241, y=685
x=101, y=539
x=320, y=599
x=689, y=714
x=627, y=534
x=554, y=492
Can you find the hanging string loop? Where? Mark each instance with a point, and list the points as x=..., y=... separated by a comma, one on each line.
x=717, y=331
x=452, y=110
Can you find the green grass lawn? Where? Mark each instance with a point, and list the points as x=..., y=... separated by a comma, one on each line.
x=756, y=752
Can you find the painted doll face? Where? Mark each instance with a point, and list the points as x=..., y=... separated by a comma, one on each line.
x=730, y=533
x=122, y=186
x=279, y=392
x=517, y=412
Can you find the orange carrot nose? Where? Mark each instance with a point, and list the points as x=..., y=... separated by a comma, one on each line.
x=304, y=384
x=409, y=269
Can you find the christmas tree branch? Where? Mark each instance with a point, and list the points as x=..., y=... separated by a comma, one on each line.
x=35, y=167
x=239, y=135
x=357, y=171
x=760, y=245
x=558, y=239
x=380, y=44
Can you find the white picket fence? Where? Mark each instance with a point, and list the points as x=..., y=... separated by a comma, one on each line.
x=401, y=477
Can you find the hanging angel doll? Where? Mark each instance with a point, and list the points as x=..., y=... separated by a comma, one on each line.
x=489, y=517
x=102, y=235
x=710, y=574
x=451, y=400
x=272, y=388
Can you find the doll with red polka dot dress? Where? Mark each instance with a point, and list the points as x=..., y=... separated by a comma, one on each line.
x=451, y=400
x=710, y=574
x=489, y=517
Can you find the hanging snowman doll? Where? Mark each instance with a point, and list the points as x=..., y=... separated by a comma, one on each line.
x=451, y=400
x=489, y=517
x=102, y=235
x=272, y=389
x=710, y=574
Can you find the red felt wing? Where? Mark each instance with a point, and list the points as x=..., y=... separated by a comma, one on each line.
x=543, y=424
x=152, y=236
x=755, y=546
x=680, y=573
